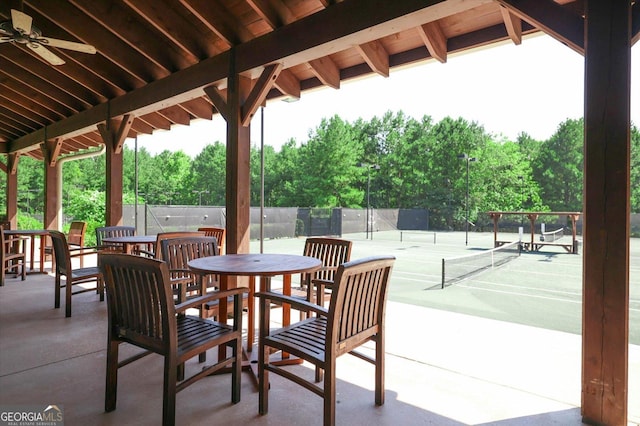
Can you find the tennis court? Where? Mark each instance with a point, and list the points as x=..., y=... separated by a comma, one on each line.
x=541, y=289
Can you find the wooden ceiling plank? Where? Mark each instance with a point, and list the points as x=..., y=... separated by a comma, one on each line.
x=433, y=37
x=551, y=18
x=265, y=11
x=375, y=56
x=156, y=120
x=132, y=30
x=8, y=131
x=288, y=84
x=219, y=100
x=306, y=39
x=20, y=114
x=15, y=122
x=176, y=115
x=219, y=20
x=106, y=43
x=326, y=71
x=174, y=26
x=513, y=24
x=34, y=107
x=259, y=92
x=199, y=108
x=41, y=79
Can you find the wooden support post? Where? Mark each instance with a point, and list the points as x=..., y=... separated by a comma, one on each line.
x=605, y=334
x=12, y=189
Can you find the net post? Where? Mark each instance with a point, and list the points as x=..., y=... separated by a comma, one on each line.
x=400, y=236
x=442, y=274
x=434, y=238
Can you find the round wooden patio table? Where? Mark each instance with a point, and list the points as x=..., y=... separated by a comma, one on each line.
x=263, y=265
x=130, y=241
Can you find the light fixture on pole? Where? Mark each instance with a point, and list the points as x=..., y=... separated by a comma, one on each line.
x=195, y=191
x=468, y=159
x=369, y=167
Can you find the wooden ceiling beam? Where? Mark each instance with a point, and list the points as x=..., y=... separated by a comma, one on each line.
x=176, y=115
x=19, y=107
x=375, y=55
x=199, y=108
x=18, y=69
x=311, y=37
x=551, y=18
x=513, y=24
x=72, y=20
x=266, y=12
x=288, y=84
x=326, y=71
x=126, y=25
x=219, y=20
x=435, y=40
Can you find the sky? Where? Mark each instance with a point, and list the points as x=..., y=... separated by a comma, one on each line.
x=508, y=89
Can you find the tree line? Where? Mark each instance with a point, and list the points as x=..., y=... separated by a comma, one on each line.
x=393, y=161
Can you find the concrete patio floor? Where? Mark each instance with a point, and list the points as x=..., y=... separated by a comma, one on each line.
x=442, y=368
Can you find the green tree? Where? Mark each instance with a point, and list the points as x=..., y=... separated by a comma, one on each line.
x=208, y=173
x=559, y=165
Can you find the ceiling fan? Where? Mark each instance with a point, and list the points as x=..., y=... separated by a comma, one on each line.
x=20, y=30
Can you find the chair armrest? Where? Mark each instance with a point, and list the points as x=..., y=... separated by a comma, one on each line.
x=82, y=251
x=325, y=283
x=216, y=295
x=297, y=304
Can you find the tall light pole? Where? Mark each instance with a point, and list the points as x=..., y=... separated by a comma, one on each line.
x=369, y=167
x=468, y=159
x=195, y=191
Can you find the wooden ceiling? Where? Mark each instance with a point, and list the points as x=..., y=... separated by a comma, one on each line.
x=155, y=57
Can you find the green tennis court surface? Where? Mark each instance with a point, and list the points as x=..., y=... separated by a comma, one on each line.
x=541, y=289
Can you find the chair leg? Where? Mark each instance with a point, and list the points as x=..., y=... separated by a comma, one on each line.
x=24, y=269
x=111, y=386
x=263, y=380
x=380, y=369
x=330, y=396
x=68, y=294
x=169, y=393
x=56, y=303
x=237, y=371
x=100, y=284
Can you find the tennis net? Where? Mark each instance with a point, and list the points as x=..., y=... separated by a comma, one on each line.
x=458, y=268
x=552, y=236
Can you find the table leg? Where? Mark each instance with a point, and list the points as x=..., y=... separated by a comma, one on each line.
x=32, y=251
x=43, y=242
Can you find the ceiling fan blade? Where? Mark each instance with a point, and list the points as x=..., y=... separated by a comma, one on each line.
x=21, y=21
x=46, y=54
x=5, y=39
x=64, y=44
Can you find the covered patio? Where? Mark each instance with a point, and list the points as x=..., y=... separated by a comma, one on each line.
x=160, y=66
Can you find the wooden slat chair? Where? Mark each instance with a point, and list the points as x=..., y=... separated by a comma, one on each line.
x=177, y=252
x=156, y=251
x=73, y=276
x=112, y=231
x=12, y=259
x=355, y=316
x=75, y=239
x=218, y=232
x=142, y=313
x=333, y=252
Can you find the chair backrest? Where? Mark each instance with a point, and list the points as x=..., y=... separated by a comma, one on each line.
x=219, y=233
x=176, y=252
x=358, y=302
x=333, y=252
x=61, y=253
x=3, y=247
x=75, y=237
x=157, y=248
x=113, y=231
x=140, y=303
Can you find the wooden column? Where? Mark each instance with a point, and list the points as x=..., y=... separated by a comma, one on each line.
x=51, y=151
x=238, y=179
x=113, y=133
x=605, y=335
x=12, y=189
